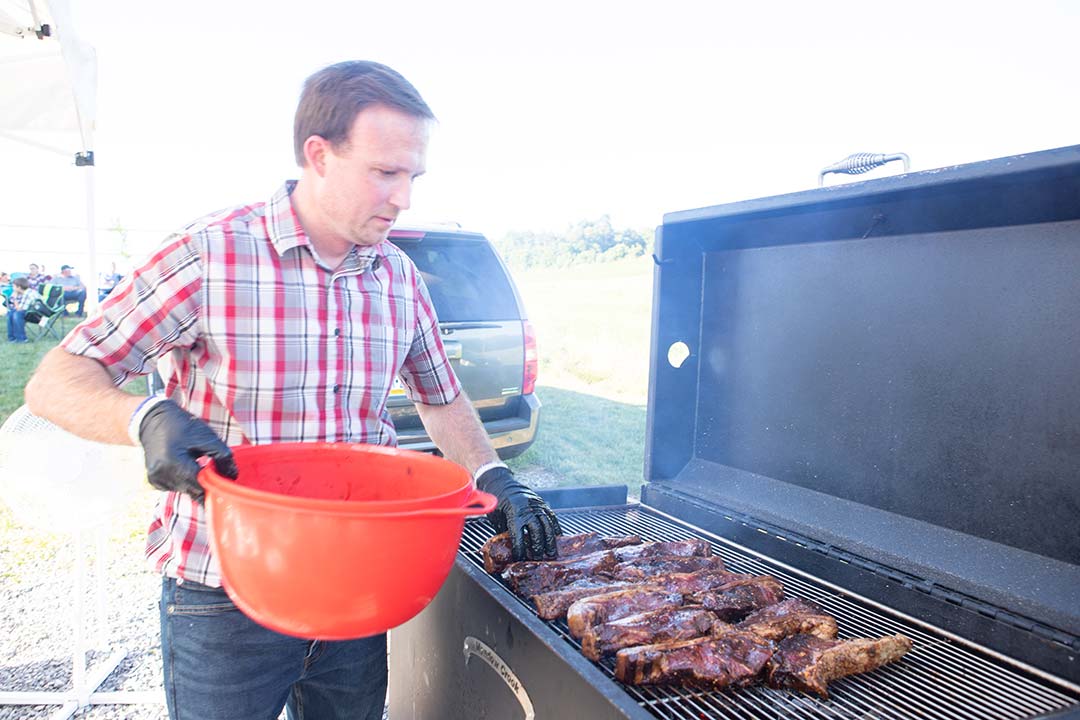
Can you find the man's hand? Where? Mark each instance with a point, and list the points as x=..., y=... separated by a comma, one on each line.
x=173, y=440
x=531, y=523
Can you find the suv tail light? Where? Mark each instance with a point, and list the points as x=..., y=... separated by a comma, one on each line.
x=532, y=360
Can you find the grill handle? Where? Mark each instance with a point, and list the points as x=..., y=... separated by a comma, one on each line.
x=859, y=163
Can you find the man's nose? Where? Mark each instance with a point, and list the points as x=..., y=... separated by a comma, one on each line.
x=401, y=197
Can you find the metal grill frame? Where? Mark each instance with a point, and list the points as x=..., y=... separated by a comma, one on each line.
x=922, y=685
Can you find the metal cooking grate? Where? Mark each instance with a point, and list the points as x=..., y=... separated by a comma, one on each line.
x=939, y=678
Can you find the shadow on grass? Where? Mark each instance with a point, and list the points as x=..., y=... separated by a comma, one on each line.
x=584, y=440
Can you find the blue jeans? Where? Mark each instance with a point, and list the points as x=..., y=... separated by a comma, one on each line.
x=16, y=325
x=78, y=296
x=221, y=665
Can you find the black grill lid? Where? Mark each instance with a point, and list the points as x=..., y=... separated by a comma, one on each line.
x=891, y=367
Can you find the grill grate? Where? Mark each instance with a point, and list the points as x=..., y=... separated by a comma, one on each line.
x=939, y=678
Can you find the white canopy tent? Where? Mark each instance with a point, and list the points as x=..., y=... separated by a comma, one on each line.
x=48, y=94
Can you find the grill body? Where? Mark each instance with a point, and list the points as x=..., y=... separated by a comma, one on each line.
x=879, y=407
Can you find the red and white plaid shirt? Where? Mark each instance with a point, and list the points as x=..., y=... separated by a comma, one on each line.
x=267, y=345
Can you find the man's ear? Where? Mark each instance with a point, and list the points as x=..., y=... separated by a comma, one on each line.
x=316, y=148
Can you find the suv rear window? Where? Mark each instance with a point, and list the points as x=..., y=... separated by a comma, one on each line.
x=466, y=280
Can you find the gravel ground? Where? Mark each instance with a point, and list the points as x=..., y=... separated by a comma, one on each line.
x=36, y=597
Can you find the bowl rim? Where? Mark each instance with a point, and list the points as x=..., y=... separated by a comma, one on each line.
x=215, y=483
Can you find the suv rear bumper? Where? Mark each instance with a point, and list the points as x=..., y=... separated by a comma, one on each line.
x=511, y=436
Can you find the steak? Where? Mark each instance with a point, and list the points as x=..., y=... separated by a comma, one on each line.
x=532, y=577
x=497, y=551
x=641, y=569
x=733, y=658
x=735, y=600
x=809, y=664
x=554, y=605
x=682, y=548
x=790, y=617
x=597, y=609
x=647, y=628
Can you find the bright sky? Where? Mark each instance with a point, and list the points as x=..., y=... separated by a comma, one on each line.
x=554, y=112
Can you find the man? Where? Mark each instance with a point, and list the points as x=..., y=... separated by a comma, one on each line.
x=283, y=321
x=74, y=290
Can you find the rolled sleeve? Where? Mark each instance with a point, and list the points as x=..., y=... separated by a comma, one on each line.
x=155, y=309
x=427, y=372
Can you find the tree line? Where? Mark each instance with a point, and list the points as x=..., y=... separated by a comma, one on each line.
x=588, y=241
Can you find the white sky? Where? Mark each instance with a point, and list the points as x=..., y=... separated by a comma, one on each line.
x=550, y=113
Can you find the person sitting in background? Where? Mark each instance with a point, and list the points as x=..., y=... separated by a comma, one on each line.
x=36, y=278
x=6, y=288
x=74, y=290
x=108, y=282
x=21, y=300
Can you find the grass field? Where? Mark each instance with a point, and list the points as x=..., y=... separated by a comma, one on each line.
x=592, y=325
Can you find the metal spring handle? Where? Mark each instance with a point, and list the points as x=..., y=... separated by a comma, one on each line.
x=858, y=163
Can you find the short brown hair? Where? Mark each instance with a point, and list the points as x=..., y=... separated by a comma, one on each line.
x=334, y=96
x=21, y=282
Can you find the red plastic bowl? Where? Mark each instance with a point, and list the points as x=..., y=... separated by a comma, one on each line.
x=335, y=541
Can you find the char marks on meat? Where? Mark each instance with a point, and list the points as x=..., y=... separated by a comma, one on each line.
x=590, y=611
x=497, y=551
x=647, y=628
x=643, y=568
x=735, y=600
x=681, y=548
x=809, y=664
x=733, y=658
x=532, y=577
x=555, y=604
x=793, y=616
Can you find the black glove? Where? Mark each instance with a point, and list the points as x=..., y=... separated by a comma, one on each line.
x=173, y=439
x=532, y=525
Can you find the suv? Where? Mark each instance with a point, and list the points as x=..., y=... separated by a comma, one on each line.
x=487, y=337
x=491, y=345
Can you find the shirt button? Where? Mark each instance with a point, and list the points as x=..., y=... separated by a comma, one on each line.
x=336, y=388
x=337, y=332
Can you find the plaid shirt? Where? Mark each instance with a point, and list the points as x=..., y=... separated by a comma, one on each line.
x=25, y=300
x=267, y=346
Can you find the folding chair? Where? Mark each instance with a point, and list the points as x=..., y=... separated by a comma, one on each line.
x=51, y=308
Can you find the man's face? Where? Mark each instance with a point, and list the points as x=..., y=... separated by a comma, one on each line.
x=33, y=269
x=367, y=182
x=66, y=272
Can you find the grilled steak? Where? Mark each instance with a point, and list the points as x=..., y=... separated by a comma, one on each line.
x=809, y=664
x=497, y=550
x=533, y=577
x=682, y=548
x=643, y=568
x=733, y=658
x=790, y=617
x=554, y=605
x=737, y=599
x=647, y=628
x=597, y=609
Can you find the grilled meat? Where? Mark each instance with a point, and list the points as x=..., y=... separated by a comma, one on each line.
x=735, y=600
x=790, y=617
x=647, y=628
x=597, y=609
x=497, y=550
x=533, y=577
x=682, y=548
x=643, y=568
x=733, y=658
x=809, y=664
x=554, y=605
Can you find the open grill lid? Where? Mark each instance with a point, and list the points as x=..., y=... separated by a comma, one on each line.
x=887, y=367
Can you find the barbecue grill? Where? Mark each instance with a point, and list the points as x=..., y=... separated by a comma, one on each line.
x=879, y=407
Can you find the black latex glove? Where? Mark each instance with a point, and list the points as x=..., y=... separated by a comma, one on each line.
x=173, y=440
x=532, y=525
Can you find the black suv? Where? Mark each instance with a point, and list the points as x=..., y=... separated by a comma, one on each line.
x=485, y=332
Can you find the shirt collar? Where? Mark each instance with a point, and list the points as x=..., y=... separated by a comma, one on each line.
x=285, y=232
